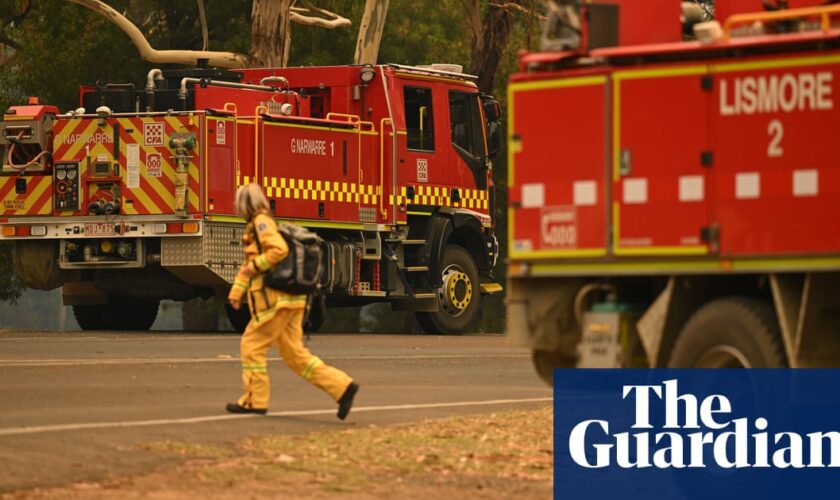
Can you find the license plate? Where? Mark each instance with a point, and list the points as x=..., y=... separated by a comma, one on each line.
x=96, y=229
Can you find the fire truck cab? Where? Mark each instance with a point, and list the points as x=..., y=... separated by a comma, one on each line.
x=129, y=199
x=672, y=186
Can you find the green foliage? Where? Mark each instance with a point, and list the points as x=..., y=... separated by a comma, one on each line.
x=417, y=33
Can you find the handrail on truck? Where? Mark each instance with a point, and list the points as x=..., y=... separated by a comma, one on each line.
x=824, y=13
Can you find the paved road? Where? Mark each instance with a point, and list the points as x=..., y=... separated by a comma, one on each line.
x=80, y=406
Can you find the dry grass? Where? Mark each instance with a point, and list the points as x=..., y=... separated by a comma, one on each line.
x=498, y=455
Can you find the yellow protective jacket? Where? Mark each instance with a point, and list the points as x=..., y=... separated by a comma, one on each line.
x=263, y=301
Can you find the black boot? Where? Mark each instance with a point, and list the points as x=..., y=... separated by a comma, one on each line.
x=235, y=408
x=346, y=401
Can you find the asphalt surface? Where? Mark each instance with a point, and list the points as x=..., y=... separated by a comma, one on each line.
x=82, y=406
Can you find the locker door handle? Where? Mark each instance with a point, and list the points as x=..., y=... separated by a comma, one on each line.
x=625, y=163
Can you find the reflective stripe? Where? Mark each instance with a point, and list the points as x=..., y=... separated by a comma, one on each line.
x=261, y=263
x=240, y=284
x=255, y=367
x=310, y=367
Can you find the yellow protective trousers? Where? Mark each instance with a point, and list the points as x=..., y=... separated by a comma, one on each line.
x=286, y=330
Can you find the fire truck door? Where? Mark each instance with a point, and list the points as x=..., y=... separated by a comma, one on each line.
x=245, y=136
x=220, y=164
x=660, y=185
x=558, y=130
x=467, y=148
x=422, y=154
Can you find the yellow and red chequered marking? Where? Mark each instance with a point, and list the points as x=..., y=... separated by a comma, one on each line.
x=366, y=194
x=36, y=201
x=442, y=196
x=318, y=190
x=78, y=139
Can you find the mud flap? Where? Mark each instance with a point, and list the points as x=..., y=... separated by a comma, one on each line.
x=439, y=231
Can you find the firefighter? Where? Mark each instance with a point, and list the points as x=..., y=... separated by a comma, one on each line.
x=276, y=317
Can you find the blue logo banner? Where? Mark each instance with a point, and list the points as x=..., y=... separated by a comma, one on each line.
x=696, y=434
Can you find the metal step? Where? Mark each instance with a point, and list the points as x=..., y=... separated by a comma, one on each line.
x=415, y=269
x=491, y=288
x=420, y=295
x=405, y=242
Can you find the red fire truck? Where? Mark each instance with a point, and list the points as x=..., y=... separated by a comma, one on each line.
x=129, y=199
x=673, y=186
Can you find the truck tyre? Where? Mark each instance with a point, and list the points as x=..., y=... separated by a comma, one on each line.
x=546, y=361
x=458, y=296
x=135, y=314
x=733, y=332
x=120, y=313
x=93, y=317
x=238, y=318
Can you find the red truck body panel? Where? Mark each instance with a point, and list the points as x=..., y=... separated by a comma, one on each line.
x=719, y=158
x=329, y=158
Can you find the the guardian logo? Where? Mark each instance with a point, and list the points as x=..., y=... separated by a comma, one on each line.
x=695, y=433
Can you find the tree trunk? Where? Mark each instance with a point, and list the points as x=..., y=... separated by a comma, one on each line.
x=490, y=43
x=370, y=32
x=202, y=17
x=270, y=35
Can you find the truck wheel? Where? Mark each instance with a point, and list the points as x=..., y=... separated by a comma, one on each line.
x=93, y=317
x=238, y=318
x=458, y=295
x=132, y=313
x=120, y=313
x=733, y=332
x=546, y=361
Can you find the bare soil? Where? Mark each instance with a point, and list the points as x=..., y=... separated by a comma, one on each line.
x=497, y=455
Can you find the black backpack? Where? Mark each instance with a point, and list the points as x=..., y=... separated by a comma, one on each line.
x=300, y=272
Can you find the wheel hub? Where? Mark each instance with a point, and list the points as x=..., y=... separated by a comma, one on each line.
x=456, y=293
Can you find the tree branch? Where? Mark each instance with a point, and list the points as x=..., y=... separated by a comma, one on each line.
x=518, y=7
x=305, y=15
x=20, y=17
x=150, y=54
x=5, y=40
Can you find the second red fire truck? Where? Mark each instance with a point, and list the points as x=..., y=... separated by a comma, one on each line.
x=674, y=186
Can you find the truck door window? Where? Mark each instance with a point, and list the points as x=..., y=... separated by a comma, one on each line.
x=418, y=118
x=465, y=119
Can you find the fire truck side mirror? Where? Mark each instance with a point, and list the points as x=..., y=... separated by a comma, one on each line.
x=494, y=138
x=492, y=110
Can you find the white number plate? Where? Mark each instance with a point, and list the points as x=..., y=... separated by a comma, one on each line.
x=95, y=229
